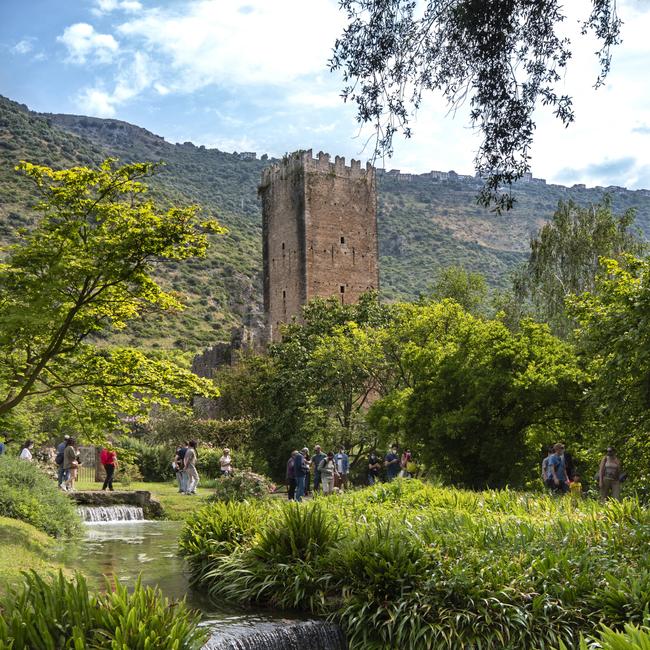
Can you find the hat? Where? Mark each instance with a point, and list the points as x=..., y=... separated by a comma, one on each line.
x=305, y=449
x=66, y=436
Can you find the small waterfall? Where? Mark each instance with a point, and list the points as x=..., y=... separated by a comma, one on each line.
x=99, y=514
x=284, y=635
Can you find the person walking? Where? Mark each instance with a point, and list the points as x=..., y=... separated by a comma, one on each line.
x=291, y=477
x=190, y=467
x=316, y=460
x=58, y=459
x=327, y=471
x=391, y=463
x=558, y=480
x=225, y=462
x=609, y=475
x=300, y=469
x=342, y=461
x=70, y=464
x=26, y=451
x=374, y=467
x=108, y=458
x=3, y=444
x=179, y=467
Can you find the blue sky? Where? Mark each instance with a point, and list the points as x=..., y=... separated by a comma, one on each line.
x=252, y=75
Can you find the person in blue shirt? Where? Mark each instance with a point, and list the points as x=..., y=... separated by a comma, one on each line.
x=3, y=445
x=392, y=463
x=558, y=480
x=342, y=463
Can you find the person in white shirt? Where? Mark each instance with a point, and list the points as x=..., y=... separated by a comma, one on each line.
x=226, y=463
x=25, y=453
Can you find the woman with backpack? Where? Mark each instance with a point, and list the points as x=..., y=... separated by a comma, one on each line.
x=610, y=475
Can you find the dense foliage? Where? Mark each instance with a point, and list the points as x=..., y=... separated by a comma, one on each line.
x=28, y=494
x=565, y=258
x=83, y=270
x=409, y=565
x=614, y=337
x=63, y=614
x=505, y=58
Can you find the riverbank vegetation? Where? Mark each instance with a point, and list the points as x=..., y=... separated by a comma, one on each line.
x=24, y=546
x=411, y=565
x=28, y=494
x=63, y=614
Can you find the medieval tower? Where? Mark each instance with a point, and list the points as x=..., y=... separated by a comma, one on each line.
x=320, y=233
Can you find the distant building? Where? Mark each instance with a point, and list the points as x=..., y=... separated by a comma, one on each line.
x=247, y=155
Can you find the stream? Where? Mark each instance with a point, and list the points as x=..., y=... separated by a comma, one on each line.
x=150, y=549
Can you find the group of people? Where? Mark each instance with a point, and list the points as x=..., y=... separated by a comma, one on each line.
x=559, y=473
x=331, y=471
x=184, y=464
x=67, y=460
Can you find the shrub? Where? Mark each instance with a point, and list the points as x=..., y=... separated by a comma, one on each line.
x=26, y=493
x=152, y=461
x=241, y=486
x=62, y=614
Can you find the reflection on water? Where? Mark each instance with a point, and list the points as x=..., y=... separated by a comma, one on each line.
x=129, y=549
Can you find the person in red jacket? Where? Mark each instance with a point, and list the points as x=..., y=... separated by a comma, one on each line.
x=108, y=458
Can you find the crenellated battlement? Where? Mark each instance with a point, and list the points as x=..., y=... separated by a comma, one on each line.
x=305, y=161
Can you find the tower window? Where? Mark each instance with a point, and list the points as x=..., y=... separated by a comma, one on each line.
x=343, y=240
x=342, y=288
x=283, y=246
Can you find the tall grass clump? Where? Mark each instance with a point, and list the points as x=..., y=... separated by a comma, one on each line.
x=409, y=565
x=62, y=614
x=28, y=494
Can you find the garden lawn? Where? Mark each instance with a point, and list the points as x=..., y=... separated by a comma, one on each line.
x=176, y=506
x=23, y=547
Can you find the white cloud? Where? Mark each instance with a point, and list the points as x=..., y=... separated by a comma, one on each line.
x=24, y=46
x=85, y=44
x=212, y=42
x=107, y=6
x=134, y=77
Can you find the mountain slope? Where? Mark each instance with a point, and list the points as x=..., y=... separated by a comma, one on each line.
x=423, y=224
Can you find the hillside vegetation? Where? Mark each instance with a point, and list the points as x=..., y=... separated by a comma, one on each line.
x=423, y=225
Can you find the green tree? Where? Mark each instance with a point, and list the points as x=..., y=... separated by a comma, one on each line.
x=505, y=58
x=473, y=389
x=564, y=257
x=82, y=271
x=614, y=338
x=468, y=289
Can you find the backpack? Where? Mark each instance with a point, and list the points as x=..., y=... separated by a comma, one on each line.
x=58, y=459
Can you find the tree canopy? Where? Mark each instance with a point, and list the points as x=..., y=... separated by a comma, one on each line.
x=83, y=270
x=505, y=57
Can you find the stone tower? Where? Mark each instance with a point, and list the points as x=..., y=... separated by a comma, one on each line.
x=320, y=233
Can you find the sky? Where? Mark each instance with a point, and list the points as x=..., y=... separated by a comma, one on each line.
x=253, y=75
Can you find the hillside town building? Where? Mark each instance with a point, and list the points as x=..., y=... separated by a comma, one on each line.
x=319, y=234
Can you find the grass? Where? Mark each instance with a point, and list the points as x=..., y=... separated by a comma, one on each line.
x=412, y=566
x=24, y=547
x=177, y=507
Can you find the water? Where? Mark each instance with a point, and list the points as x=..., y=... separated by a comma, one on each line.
x=106, y=514
x=150, y=549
